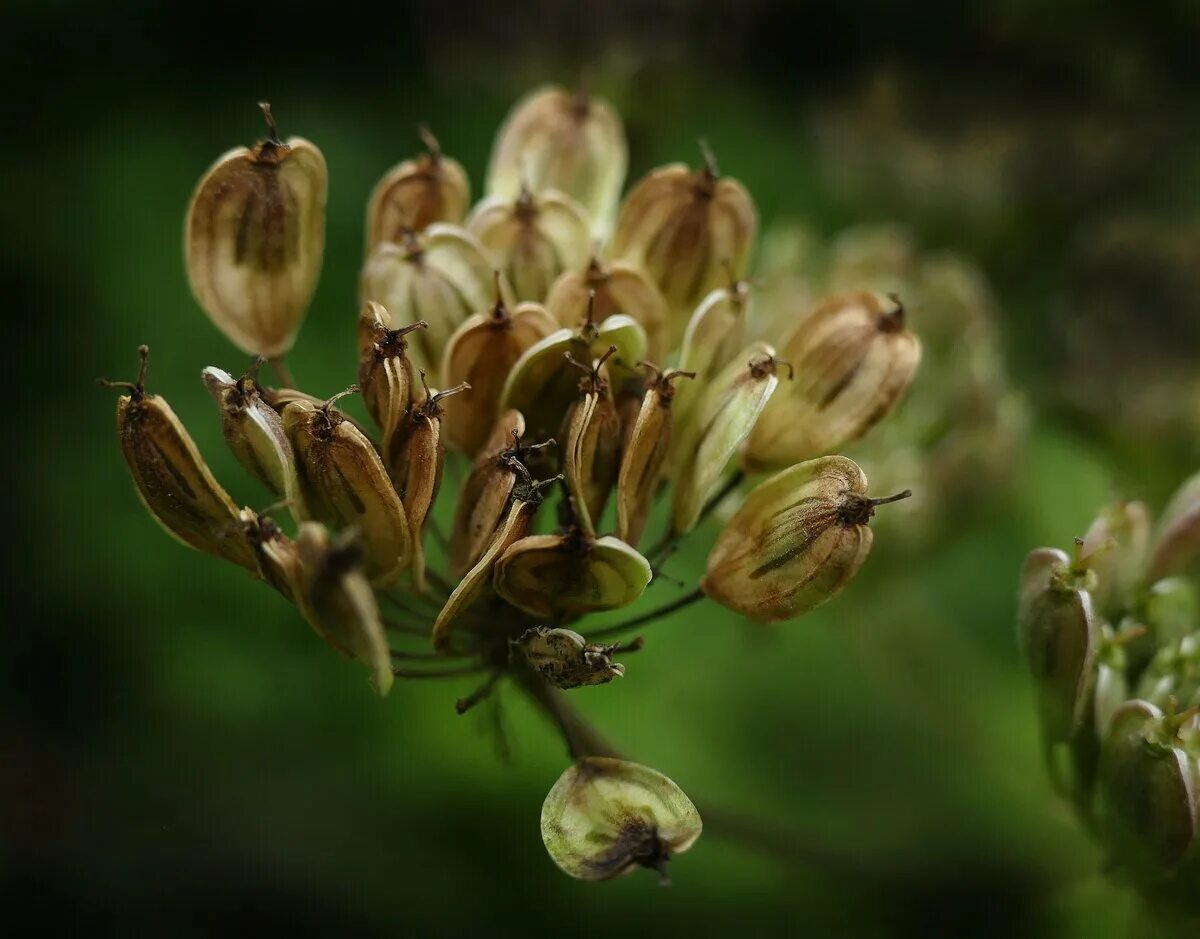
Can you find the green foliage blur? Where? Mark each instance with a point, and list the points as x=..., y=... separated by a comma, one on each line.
x=180, y=755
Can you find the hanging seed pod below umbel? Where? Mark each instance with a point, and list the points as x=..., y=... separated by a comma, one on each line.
x=567, y=660
x=254, y=240
x=796, y=541
x=417, y=193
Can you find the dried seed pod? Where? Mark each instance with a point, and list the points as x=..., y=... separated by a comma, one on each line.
x=345, y=485
x=417, y=193
x=1149, y=788
x=485, y=493
x=1115, y=547
x=715, y=335
x=591, y=457
x=340, y=602
x=415, y=463
x=171, y=478
x=254, y=431
x=853, y=360
x=606, y=817
x=721, y=420
x=533, y=239
x=280, y=398
x=482, y=353
x=567, y=660
x=645, y=455
x=1059, y=637
x=442, y=275
x=680, y=227
x=527, y=497
x=618, y=288
x=554, y=577
x=1177, y=543
x=254, y=240
x=569, y=141
x=543, y=384
x=385, y=372
x=796, y=541
x=277, y=556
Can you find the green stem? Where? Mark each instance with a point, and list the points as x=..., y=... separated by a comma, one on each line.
x=283, y=372
x=658, y=613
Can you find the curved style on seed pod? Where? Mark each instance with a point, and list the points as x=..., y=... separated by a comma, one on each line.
x=606, y=817
x=254, y=240
x=417, y=193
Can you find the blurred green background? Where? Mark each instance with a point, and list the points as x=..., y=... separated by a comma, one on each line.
x=182, y=756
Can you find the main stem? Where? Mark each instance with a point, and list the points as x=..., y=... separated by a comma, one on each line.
x=581, y=737
x=666, y=610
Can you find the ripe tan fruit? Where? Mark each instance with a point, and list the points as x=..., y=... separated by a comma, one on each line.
x=417, y=193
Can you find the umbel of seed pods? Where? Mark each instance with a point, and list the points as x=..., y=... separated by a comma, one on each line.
x=1111, y=637
x=591, y=352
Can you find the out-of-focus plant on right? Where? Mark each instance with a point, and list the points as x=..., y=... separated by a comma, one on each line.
x=1111, y=637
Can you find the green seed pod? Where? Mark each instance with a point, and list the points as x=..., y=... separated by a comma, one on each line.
x=1174, y=674
x=854, y=359
x=722, y=419
x=796, y=541
x=482, y=353
x=1170, y=610
x=171, y=478
x=417, y=193
x=345, y=485
x=254, y=432
x=563, y=140
x=254, y=240
x=606, y=817
x=442, y=275
x=685, y=230
x=1115, y=547
x=715, y=334
x=567, y=660
x=618, y=288
x=485, y=493
x=340, y=602
x=554, y=577
x=1059, y=637
x=385, y=372
x=1177, y=543
x=534, y=239
x=591, y=457
x=544, y=384
x=644, y=456
x=1148, y=788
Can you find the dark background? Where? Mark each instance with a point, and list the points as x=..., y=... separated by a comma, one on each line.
x=177, y=754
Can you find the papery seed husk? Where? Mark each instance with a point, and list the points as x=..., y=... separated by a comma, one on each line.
x=280, y=398
x=485, y=494
x=345, y=484
x=533, y=240
x=686, y=230
x=442, y=275
x=415, y=194
x=853, y=361
x=715, y=334
x=556, y=576
x=643, y=459
x=1177, y=544
x=795, y=542
x=341, y=602
x=721, y=420
x=385, y=372
x=567, y=660
x=254, y=432
x=605, y=817
x=592, y=452
x=173, y=481
x=1115, y=547
x=569, y=141
x=482, y=353
x=254, y=241
x=276, y=554
x=617, y=288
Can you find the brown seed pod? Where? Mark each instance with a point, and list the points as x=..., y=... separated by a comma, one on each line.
x=482, y=353
x=533, y=239
x=339, y=600
x=416, y=193
x=563, y=140
x=592, y=431
x=254, y=432
x=277, y=556
x=385, y=372
x=442, y=275
x=681, y=227
x=797, y=540
x=715, y=334
x=567, y=660
x=645, y=454
x=345, y=485
x=854, y=358
x=171, y=478
x=618, y=288
x=254, y=240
